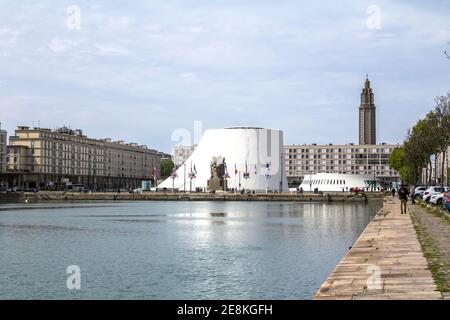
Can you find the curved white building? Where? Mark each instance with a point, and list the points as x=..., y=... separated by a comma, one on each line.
x=251, y=155
x=335, y=182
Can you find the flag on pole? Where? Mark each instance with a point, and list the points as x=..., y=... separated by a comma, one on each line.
x=174, y=173
x=195, y=170
x=154, y=173
x=246, y=173
x=225, y=169
x=267, y=174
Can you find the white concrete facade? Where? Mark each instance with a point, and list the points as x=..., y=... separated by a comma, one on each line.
x=333, y=182
x=246, y=149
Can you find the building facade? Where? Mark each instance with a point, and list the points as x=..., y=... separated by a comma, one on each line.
x=367, y=116
x=3, y=152
x=57, y=159
x=182, y=153
x=434, y=173
x=3, y=143
x=304, y=160
x=446, y=173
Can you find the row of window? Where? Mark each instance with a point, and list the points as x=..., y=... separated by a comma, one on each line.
x=347, y=150
x=318, y=168
x=325, y=181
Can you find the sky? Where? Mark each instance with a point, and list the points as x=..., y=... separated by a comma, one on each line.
x=146, y=71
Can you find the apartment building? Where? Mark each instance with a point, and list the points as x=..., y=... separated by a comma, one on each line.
x=3, y=152
x=56, y=159
x=182, y=153
x=303, y=160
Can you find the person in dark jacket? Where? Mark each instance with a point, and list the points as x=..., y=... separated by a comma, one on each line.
x=393, y=192
x=403, y=196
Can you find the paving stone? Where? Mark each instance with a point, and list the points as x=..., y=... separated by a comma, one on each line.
x=387, y=250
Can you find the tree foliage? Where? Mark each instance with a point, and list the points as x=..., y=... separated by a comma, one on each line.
x=166, y=168
x=427, y=139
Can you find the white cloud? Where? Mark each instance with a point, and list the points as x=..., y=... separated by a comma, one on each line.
x=58, y=45
x=289, y=65
x=8, y=36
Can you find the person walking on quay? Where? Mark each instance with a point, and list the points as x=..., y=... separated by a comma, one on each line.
x=393, y=192
x=412, y=193
x=403, y=196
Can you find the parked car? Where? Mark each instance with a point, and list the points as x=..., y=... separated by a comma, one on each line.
x=431, y=191
x=446, y=200
x=356, y=190
x=437, y=198
x=418, y=192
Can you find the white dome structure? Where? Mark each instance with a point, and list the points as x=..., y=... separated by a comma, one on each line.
x=335, y=182
x=253, y=158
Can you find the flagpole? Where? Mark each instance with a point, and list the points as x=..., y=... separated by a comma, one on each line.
x=235, y=179
x=239, y=181
x=173, y=180
x=184, y=185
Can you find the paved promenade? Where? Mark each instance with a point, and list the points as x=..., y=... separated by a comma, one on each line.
x=385, y=263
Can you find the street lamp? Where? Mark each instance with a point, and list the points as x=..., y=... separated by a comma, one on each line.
x=281, y=173
x=310, y=182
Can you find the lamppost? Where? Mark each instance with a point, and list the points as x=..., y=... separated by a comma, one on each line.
x=184, y=182
x=174, y=175
x=281, y=173
x=373, y=184
x=246, y=174
x=310, y=182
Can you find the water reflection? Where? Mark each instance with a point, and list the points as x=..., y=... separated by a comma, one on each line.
x=176, y=250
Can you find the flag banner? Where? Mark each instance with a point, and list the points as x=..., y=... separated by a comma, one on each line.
x=267, y=174
x=246, y=173
x=192, y=174
x=154, y=173
x=225, y=175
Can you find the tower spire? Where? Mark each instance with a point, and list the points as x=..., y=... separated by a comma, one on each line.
x=367, y=115
x=367, y=83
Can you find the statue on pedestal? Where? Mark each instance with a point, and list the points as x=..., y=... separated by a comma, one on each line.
x=218, y=180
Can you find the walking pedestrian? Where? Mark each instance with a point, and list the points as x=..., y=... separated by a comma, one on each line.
x=393, y=192
x=403, y=196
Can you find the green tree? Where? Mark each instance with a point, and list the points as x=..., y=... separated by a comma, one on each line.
x=398, y=162
x=442, y=138
x=423, y=134
x=397, y=159
x=166, y=168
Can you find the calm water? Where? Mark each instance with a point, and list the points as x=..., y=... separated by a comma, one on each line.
x=174, y=250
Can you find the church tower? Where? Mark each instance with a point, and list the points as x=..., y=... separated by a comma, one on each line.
x=367, y=116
